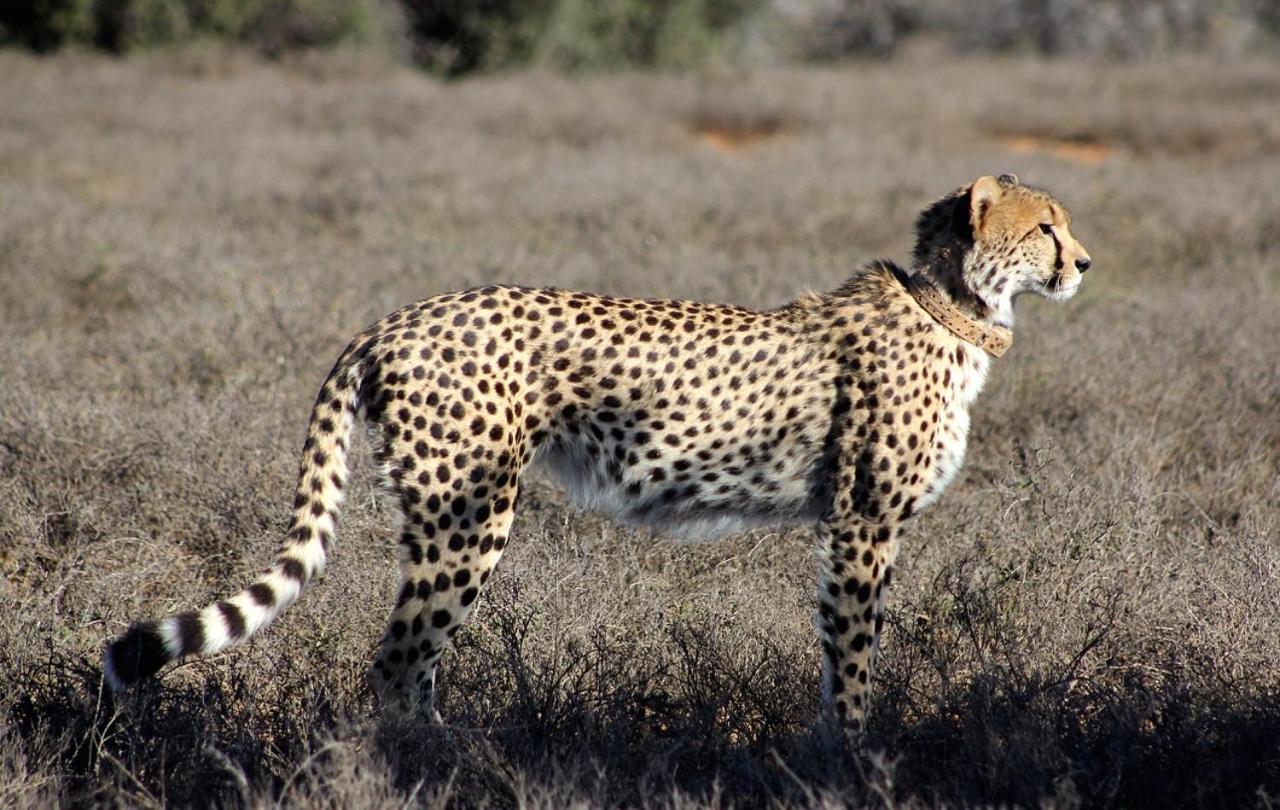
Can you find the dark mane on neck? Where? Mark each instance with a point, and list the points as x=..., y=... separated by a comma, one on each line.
x=944, y=236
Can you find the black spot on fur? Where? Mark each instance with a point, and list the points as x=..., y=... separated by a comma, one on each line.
x=262, y=594
x=234, y=619
x=190, y=632
x=293, y=569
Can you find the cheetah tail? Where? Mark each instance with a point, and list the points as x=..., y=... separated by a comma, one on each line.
x=147, y=646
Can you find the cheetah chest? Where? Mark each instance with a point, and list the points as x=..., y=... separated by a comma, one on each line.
x=966, y=374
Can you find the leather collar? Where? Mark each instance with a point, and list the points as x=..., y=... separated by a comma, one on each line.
x=994, y=340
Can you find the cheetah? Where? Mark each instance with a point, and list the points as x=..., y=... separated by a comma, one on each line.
x=846, y=411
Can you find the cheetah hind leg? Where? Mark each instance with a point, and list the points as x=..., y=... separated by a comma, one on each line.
x=449, y=546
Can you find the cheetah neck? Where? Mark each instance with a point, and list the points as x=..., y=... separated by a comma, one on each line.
x=972, y=284
x=992, y=338
x=985, y=283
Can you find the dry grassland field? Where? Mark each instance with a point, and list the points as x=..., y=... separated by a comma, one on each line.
x=1089, y=617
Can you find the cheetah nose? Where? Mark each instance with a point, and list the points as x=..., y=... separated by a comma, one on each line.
x=1083, y=264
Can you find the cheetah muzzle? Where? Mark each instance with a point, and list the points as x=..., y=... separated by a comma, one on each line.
x=847, y=411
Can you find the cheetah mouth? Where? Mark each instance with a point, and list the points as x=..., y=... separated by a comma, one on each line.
x=1058, y=288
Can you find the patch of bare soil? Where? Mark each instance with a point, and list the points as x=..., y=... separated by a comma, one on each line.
x=1084, y=150
x=733, y=140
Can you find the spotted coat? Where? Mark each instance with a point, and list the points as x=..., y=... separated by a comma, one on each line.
x=846, y=411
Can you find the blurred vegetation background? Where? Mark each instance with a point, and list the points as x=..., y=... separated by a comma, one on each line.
x=455, y=38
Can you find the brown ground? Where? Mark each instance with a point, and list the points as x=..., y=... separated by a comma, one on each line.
x=1091, y=615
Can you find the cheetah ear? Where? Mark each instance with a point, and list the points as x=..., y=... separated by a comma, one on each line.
x=984, y=192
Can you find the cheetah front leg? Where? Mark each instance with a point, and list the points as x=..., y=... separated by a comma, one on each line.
x=857, y=555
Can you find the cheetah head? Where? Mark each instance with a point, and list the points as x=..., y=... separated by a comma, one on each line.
x=996, y=239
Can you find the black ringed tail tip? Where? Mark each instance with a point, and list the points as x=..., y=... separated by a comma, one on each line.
x=138, y=654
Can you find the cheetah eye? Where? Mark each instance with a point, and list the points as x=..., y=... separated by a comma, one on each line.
x=1046, y=228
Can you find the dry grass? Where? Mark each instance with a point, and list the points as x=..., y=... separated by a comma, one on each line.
x=1088, y=617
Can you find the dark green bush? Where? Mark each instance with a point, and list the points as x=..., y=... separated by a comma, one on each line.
x=455, y=38
x=445, y=36
x=1111, y=28
x=271, y=26
x=43, y=25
